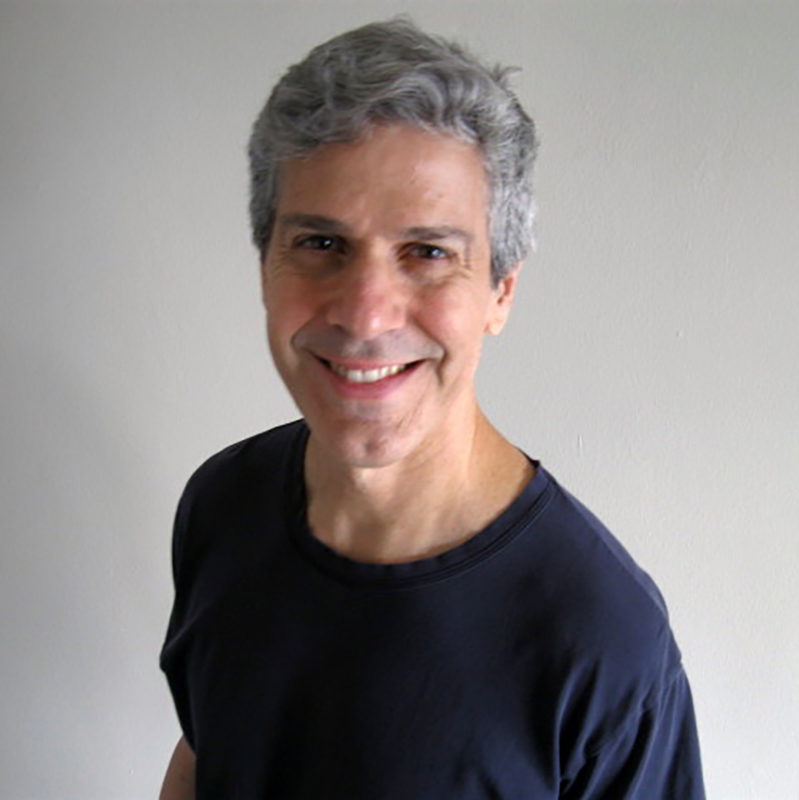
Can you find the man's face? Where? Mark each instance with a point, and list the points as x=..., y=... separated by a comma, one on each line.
x=377, y=288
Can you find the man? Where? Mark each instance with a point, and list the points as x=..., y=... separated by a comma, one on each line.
x=387, y=600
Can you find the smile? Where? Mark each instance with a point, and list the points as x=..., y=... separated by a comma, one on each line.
x=367, y=375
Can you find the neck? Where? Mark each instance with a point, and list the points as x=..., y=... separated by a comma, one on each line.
x=424, y=504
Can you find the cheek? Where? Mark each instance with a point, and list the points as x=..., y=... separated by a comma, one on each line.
x=457, y=325
x=288, y=308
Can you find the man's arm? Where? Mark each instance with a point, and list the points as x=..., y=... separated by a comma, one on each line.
x=179, y=779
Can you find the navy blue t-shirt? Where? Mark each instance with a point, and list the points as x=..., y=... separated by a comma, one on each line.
x=534, y=661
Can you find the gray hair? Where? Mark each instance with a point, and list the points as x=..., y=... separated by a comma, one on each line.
x=393, y=72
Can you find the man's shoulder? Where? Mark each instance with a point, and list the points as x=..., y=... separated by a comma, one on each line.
x=609, y=611
x=257, y=458
x=609, y=641
x=599, y=560
x=240, y=488
x=255, y=465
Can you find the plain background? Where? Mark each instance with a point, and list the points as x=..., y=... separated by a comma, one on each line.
x=651, y=360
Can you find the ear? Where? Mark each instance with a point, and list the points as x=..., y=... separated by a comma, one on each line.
x=263, y=272
x=501, y=301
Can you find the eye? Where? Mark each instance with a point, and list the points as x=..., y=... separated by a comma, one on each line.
x=428, y=251
x=319, y=241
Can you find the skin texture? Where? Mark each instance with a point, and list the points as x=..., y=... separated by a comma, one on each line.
x=179, y=779
x=380, y=257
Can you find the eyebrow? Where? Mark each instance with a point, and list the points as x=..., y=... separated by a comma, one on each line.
x=313, y=222
x=436, y=233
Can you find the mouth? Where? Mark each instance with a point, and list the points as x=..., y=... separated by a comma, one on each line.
x=370, y=375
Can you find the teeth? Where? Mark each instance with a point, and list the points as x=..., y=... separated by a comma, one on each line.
x=367, y=375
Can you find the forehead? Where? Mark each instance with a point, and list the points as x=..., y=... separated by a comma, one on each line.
x=395, y=174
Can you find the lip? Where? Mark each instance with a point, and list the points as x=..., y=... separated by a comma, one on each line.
x=378, y=390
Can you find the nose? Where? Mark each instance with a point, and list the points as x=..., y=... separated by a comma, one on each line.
x=370, y=297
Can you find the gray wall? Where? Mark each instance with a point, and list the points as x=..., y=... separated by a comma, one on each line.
x=651, y=361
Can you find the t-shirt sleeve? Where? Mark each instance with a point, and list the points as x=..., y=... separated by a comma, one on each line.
x=171, y=658
x=655, y=756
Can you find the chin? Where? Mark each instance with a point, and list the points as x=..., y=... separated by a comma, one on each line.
x=364, y=444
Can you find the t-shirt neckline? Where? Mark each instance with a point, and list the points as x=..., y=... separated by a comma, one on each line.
x=475, y=550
